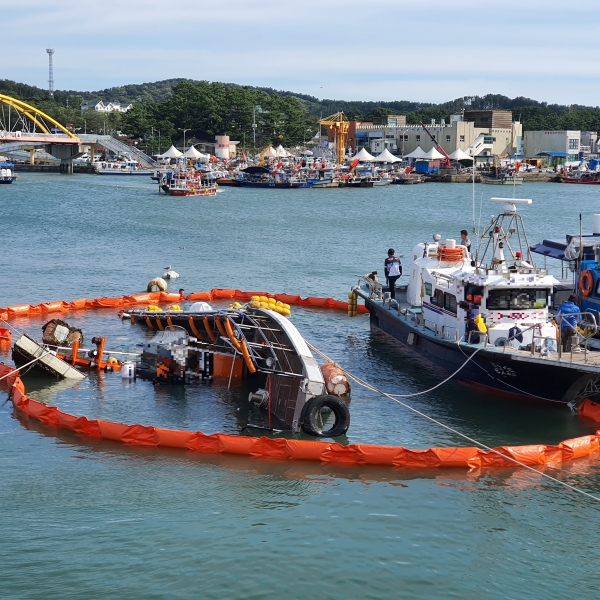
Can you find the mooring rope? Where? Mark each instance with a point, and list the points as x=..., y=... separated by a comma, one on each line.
x=395, y=397
x=25, y=365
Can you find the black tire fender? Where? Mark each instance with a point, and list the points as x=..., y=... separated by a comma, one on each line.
x=311, y=416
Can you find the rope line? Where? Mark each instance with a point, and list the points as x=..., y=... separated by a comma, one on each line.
x=25, y=365
x=394, y=397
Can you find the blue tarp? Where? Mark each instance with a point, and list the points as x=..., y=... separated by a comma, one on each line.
x=554, y=154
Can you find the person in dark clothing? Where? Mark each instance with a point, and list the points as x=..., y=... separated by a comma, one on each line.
x=393, y=271
x=569, y=316
x=464, y=240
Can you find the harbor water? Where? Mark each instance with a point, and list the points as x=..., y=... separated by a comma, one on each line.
x=84, y=519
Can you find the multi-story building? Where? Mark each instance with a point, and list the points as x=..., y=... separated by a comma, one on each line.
x=559, y=144
x=478, y=133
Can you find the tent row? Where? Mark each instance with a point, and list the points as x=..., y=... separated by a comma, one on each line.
x=191, y=152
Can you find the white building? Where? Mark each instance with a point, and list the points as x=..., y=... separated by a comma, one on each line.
x=99, y=106
x=566, y=143
x=492, y=134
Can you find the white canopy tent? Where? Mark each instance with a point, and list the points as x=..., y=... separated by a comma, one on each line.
x=386, y=156
x=271, y=152
x=306, y=153
x=364, y=156
x=172, y=152
x=433, y=154
x=459, y=154
x=191, y=152
x=418, y=153
x=281, y=152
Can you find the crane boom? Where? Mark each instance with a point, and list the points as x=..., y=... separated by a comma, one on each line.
x=447, y=160
x=340, y=124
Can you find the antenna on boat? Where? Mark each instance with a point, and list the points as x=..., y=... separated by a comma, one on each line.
x=502, y=233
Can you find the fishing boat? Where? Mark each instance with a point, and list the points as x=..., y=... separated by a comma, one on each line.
x=578, y=258
x=583, y=178
x=263, y=177
x=7, y=174
x=485, y=317
x=189, y=183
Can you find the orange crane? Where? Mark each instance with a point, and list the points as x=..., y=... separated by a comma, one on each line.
x=340, y=125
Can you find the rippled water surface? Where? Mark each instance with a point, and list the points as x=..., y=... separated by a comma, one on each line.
x=88, y=519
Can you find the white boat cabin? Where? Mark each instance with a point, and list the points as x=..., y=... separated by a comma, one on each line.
x=452, y=288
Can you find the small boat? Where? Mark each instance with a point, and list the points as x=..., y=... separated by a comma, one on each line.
x=129, y=166
x=7, y=174
x=407, y=180
x=187, y=184
x=505, y=179
x=228, y=181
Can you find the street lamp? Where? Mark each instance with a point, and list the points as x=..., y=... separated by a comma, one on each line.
x=184, y=129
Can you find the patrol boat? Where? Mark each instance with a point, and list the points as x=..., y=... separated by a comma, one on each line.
x=486, y=317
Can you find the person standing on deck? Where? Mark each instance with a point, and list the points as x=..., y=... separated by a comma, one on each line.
x=570, y=315
x=393, y=271
x=464, y=240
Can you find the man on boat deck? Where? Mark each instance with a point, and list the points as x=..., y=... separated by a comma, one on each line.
x=464, y=240
x=571, y=315
x=393, y=270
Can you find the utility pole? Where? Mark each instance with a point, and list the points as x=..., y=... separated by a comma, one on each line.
x=184, y=129
x=50, y=52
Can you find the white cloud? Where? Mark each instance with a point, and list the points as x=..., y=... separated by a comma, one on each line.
x=386, y=49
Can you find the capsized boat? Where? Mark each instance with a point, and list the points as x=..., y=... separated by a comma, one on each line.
x=492, y=307
x=260, y=344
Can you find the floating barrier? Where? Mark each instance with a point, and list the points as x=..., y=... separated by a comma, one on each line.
x=149, y=298
x=286, y=449
x=279, y=448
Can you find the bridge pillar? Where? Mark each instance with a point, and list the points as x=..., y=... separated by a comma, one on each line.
x=65, y=152
x=66, y=166
x=32, y=156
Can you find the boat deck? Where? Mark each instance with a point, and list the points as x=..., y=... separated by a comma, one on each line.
x=587, y=359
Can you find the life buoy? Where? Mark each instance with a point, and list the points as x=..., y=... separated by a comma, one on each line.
x=157, y=282
x=312, y=419
x=451, y=254
x=586, y=283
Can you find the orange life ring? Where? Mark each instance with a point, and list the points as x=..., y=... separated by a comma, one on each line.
x=451, y=254
x=586, y=283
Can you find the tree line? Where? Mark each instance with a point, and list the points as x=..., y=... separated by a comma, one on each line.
x=163, y=109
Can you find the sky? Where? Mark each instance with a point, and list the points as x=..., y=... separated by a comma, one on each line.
x=424, y=51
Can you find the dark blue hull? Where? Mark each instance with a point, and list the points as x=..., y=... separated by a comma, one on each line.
x=491, y=369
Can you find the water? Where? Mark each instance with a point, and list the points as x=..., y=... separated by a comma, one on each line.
x=88, y=519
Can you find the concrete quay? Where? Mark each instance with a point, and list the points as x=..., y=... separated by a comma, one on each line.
x=54, y=168
x=468, y=178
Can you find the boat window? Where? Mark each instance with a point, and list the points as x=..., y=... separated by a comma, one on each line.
x=428, y=289
x=517, y=299
x=473, y=293
x=438, y=298
x=450, y=302
x=597, y=292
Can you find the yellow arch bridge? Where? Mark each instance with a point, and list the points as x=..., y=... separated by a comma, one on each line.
x=22, y=126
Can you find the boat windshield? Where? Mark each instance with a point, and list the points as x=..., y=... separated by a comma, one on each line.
x=510, y=299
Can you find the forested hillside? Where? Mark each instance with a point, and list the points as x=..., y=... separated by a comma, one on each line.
x=209, y=108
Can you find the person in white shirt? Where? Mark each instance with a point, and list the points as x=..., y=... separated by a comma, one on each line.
x=393, y=271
